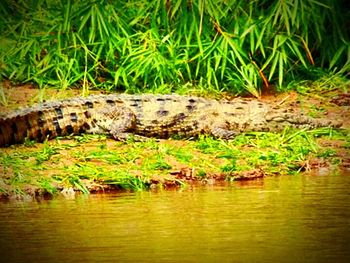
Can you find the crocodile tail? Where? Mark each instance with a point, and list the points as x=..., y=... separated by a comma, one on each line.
x=7, y=136
x=42, y=122
x=31, y=124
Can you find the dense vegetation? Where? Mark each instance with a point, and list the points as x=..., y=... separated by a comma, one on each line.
x=160, y=45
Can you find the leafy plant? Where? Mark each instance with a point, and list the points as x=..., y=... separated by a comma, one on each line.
x=137, y=46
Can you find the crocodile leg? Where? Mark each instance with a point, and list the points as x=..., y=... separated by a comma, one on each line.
x=223, y=133
x=119, y=122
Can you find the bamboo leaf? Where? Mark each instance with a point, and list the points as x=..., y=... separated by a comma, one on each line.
x=275, y=59
x=102, y=25
x=175, y=8
x=66, y=24
x=295, y=49
x=280, y=69
x=92, y=28
x=337, y=56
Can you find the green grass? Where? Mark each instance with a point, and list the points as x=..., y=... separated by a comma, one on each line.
x=97, y=162
x=161, y=46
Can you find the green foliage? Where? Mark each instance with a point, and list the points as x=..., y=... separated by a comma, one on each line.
x=275, y=153
x=181, y=154
x=47, y=186
x=148, y=45
x=46, y=153
x=93, y=164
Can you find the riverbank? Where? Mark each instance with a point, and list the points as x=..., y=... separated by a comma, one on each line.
x=95, y=163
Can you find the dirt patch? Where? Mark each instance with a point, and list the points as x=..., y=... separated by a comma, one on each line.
x=18, y=96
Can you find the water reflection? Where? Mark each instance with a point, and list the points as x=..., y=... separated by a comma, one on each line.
x=286, y=219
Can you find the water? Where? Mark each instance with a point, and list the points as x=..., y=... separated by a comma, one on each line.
x=286, y=219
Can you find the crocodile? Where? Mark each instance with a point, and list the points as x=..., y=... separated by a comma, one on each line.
x=147, y=115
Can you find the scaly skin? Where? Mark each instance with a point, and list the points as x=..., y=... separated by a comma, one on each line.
x=160, y=116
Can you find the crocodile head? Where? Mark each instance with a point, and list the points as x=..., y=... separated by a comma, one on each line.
x=280, y=120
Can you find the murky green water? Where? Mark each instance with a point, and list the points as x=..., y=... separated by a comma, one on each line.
x=286, y=219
